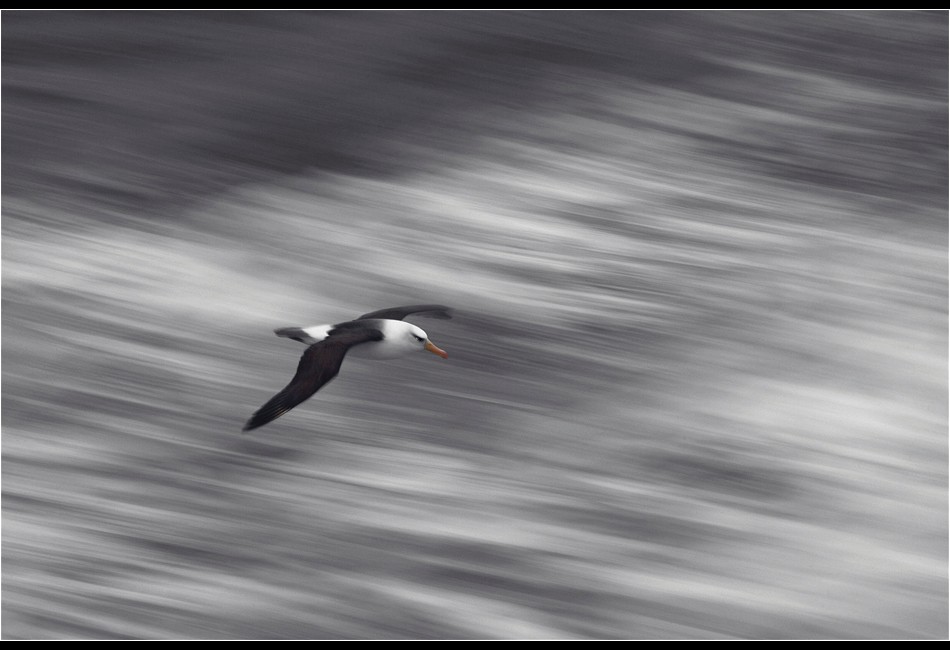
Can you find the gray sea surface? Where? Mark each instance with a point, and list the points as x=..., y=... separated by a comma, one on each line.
x=697, y=374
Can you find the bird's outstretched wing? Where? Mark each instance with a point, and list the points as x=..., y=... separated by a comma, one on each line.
x=398, y=313
x=319, y=364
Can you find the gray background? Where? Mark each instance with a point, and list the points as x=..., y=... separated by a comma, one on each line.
x=697, y=383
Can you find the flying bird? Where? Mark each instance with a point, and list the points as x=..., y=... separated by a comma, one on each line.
x=377, y=335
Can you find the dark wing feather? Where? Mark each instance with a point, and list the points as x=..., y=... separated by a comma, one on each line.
x=398, y=313
x=319, y=364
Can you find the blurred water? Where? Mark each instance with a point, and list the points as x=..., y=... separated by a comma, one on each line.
x=697, y=376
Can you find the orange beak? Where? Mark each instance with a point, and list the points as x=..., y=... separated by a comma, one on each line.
x=434, y=350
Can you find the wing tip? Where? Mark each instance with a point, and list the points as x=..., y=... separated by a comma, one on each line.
x=267, y=413
x=253, y=423
x=259, y=419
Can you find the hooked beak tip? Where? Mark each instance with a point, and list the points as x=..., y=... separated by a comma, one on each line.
x=435, y=350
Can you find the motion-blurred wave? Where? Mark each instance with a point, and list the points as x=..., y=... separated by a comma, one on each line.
x=697, y=377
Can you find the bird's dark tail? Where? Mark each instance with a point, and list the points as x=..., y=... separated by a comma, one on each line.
x=295, y=333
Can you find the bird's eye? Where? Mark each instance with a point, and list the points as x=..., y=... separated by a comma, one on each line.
x=418, y=338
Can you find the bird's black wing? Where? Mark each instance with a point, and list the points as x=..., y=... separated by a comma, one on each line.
x=398, y=313
x=319, y=364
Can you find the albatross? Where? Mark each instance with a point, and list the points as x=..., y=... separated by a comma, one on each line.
x=380, y=334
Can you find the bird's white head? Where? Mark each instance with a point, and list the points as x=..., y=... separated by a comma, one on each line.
x=399, y=338
x=416, y=337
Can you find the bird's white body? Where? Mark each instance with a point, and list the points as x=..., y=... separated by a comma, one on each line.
x=317, y=332
x=399, y=338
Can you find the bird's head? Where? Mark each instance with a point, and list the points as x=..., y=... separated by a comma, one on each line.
x=416, y=337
